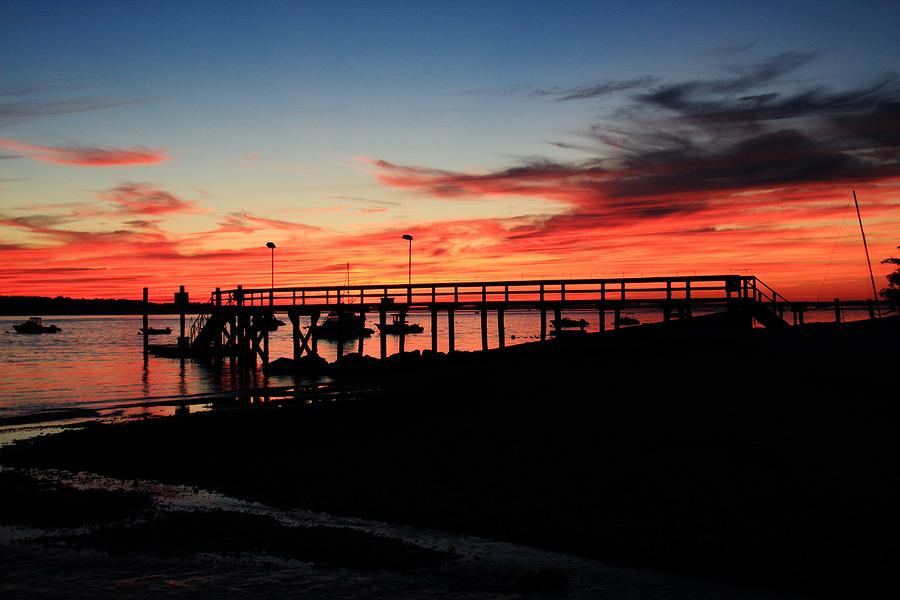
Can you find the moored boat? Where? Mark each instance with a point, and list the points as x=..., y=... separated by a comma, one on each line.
x=35, y=325
x=627, y=320
x=565, y=326
x=155, y=331
x=398, y=326
x=342, y=326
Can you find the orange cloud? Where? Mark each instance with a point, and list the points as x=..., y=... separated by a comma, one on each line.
x=146, y=199
x=85, y=156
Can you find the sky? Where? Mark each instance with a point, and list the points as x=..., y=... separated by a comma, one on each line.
x=164, y=143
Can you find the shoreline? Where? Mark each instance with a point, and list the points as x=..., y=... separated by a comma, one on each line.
x=580, y=447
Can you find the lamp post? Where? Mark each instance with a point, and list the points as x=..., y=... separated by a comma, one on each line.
x=408, y=237
x=271, y=245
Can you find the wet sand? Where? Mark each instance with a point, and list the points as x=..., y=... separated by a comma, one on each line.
x=754, y=457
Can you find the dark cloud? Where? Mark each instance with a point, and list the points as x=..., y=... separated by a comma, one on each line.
x=673, y=147
x=21, y=102
x=594, y=90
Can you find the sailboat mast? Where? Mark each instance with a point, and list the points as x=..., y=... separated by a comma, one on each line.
x=868, y=260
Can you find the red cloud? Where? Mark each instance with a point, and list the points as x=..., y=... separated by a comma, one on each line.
x=146, y=199
x=85, y=156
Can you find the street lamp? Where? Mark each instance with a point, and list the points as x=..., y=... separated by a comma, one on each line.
x=271, y=245
x=408, y=237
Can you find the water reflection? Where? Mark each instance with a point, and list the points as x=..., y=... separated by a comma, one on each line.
x=100, y=358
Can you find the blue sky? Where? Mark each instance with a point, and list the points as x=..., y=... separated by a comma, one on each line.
x=278, y=107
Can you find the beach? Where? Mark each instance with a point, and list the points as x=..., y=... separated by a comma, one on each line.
x=759, y=459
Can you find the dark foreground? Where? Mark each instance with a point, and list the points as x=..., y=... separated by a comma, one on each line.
x=765, y=458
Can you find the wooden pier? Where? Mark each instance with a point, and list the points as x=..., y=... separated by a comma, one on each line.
x=237, y=323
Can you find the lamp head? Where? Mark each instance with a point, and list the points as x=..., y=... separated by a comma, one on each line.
x=270, y=245
x=406, y=236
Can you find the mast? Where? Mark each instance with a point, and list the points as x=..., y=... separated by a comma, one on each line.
x=868, y=260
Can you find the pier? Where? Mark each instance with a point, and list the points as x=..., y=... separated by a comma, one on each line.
x=237, y=321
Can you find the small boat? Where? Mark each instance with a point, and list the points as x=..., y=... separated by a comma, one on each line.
x=627, y=320
x=336, y=326
x=398, y=326
x=35, y=325
x=566, y=322
x=155, y=331
x=566, y=326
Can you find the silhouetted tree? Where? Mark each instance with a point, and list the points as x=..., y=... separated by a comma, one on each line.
x=892, y=291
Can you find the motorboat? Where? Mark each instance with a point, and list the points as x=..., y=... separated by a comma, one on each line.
x=155, y=331
x=566, y=322
x=398, y=325
x=627, y=320
x=35, y=325
x=565, y=326
x=342, y=326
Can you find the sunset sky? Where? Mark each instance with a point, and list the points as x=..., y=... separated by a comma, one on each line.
x=164, y=143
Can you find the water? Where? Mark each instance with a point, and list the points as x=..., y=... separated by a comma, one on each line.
x=97, y=359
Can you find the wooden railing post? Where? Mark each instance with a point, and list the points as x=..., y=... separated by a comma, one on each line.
x=146, y=320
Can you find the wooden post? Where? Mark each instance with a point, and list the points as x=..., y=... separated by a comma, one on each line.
x=402, y=333
x=602, y=316
x=451, y=331
x=617, y=314
x=313, y=322
x=501, y=328
x=557, y=313
x=146, y=320
x=667, y=310
x=484, y=333
x=340, y=337
x=434, y=329
x=359, y=345
x=265, y=333
x=217, y=337
x=837, y=310
x=295, y=333
x=687, y=298
x=543, y=316
x=241, y=329
x=382, y=320
x=182, y=306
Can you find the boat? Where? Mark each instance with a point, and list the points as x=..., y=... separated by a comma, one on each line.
x=155, y=331
x=566, y=326
x=627, y=320
x=342, y=326
x=566, y=322
x=35, y=325
x=399, y=325
x=272, y=324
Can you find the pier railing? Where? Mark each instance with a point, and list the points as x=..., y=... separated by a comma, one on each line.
x=634, y=291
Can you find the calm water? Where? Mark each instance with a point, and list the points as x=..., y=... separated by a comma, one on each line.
x=99, y=358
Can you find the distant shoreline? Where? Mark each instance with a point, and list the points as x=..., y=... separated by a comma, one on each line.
x=15, y=306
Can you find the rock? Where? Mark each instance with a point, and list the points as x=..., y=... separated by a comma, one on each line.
x=280, y=366
x=354, y=363
x=310, y=364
